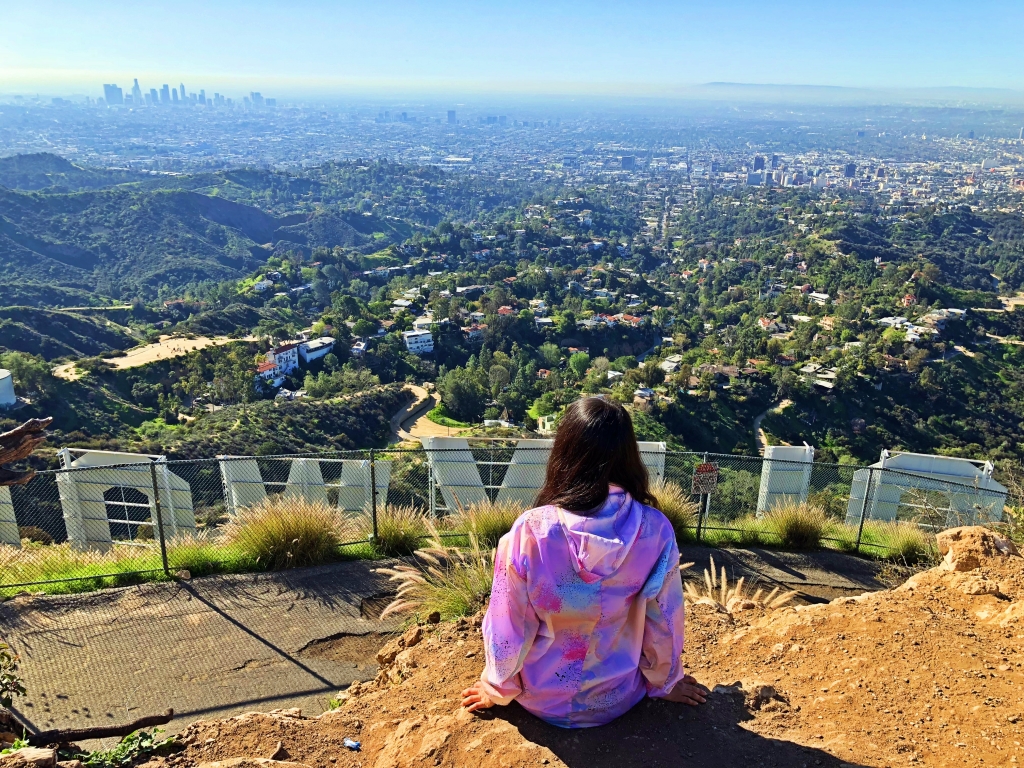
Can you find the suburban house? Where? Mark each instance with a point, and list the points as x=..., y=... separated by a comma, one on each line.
x=285, y=357
x=314, y=349
x=418, y=342
x=269, y=373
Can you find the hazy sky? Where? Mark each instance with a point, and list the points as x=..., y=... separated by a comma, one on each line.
x=543, y=46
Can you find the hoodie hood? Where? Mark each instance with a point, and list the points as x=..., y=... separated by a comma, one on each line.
x=600, y=542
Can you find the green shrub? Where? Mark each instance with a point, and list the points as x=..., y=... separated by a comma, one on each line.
x=10, y=682
x=285, y=532
x=799, y=526
x=35, y=533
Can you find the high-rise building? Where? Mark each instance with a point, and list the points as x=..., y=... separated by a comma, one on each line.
x=136, y=93
x=628, y=162
x=970, y=134
x=154, y=97
x=758, y=163
x=1020, y=137
x=202, y=96
x=452, y=120
x=174, y=95
x=112, y=94
x=165, y=94
x=850, y=170
x=181, y=89
x=257, y=98
x=775, y=162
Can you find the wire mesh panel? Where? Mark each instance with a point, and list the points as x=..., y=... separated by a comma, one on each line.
x=107, y=518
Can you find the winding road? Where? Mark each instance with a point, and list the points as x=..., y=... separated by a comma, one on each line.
x=411, y=422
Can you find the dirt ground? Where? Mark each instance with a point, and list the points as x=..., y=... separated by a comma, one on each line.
x=926, y=674
x=166, y=348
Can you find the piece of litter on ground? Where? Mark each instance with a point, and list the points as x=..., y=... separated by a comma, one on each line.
x=353, y=745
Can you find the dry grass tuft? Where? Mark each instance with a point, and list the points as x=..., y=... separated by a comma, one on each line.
x=731, y=598
x=285, y=532
x=400, y=530
x=450, y=581
x=800, y=526
x=901, y=541
x=675, y=503
x=490, y=520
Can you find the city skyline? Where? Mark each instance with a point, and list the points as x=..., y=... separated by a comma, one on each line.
x=649, y=49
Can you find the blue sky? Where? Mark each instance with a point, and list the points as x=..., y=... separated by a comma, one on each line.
x=527, y=46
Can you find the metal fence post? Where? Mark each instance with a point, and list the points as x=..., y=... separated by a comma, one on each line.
x=159, y=518
x=431, y=485
x=373, y=493
x=864, y=507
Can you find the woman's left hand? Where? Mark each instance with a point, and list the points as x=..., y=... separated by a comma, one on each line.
x=475, y=697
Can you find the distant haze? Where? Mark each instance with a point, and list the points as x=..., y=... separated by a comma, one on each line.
x=647, y=49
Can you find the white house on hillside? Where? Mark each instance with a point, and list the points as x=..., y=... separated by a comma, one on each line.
x=418, y=342
x=285, y=357
x=316, y=348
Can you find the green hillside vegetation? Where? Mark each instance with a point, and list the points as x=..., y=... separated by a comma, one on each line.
x=60, y=334
x=55, y=174
x=15, y=292
x=720, y=312
x=272, y=427
x=127, y=242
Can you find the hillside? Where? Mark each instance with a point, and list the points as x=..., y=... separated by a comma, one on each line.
x=282, y=427
x=59, y=334
x=53, y=173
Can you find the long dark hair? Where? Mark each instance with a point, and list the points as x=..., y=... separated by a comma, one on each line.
x=595, y=445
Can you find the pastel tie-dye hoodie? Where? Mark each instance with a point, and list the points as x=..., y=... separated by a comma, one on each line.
x=586, y=612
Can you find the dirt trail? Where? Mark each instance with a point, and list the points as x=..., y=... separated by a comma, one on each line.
x=926, y=674
x=760, y=440
x=166, y=348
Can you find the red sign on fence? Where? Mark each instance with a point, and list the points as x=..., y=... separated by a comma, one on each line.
x=705, y=478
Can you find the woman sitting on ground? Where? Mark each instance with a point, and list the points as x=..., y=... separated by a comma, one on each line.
x=586, y=612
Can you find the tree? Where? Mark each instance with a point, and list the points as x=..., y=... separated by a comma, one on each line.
x=579, y=363
x=463, y=394
x=31, y=373
x=498, y=377
x=364, y=327
x=550, y=354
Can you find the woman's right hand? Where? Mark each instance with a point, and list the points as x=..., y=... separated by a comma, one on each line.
x=688, y=691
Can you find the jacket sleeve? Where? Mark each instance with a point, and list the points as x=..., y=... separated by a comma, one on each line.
x=511, y=624
x=660, y=661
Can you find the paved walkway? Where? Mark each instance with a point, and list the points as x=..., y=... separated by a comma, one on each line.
x=206, y=647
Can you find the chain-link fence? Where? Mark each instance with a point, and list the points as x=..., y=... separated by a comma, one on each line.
x=108, y=519
x=264, y=633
